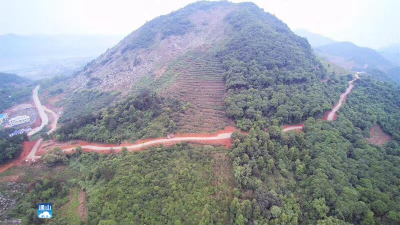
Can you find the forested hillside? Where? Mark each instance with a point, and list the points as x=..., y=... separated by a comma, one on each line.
x=269, y=73
x=144, y=116
x=272, y=74
x=208, y=66
x=328, y=174
x=13, y=90
x=10, y=147
x=175, y=185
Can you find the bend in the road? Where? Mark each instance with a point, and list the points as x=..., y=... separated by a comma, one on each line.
x=220, y=136
x=45, y=120
x=42, y=114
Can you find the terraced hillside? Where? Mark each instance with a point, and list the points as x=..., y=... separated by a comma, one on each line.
x=200, y=83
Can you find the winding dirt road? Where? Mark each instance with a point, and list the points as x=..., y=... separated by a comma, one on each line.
x=342, y=99
x=331, y=114
x=221, y=136
x=224, y=135
x=55, y=121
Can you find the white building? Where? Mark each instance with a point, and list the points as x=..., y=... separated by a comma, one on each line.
x=3, y=117
x=19, y=120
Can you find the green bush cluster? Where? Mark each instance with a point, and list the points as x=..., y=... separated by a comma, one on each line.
x=144, y=116
x=10, y=147
x=43, y=191
x=171, y=185
x=13, y=90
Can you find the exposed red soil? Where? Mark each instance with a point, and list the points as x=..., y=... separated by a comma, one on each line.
x=11, y=178
x=285, y=127
x=336, y=115
x=20, y=106
x=378, y=136
x=327, y=113
x=201, y=83
x=52, y=101
x=46, y=146
x=159, y=73
x=229, y=129
x=49, y=145
x=28, y=145
x=342, y=99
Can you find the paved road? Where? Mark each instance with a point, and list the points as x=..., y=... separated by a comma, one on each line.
x=45, y=120
x=34, y=150
x=42, y=114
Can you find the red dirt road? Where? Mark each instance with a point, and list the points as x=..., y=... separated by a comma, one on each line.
x=222, y=137
x=331, y=115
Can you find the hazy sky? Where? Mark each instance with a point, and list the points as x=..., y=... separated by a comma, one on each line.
x=371, y=23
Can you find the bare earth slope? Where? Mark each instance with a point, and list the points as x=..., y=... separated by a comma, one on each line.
x=149, y=50
x=202, y=85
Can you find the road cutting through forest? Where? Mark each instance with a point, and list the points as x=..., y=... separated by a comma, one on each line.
x=202, y=138
x=332, y=115
x=220, y=137
x=343, y=97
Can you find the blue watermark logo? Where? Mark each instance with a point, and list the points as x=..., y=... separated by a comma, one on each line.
x=45, y=210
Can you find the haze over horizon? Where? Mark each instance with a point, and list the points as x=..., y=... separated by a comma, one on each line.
x=368, y=23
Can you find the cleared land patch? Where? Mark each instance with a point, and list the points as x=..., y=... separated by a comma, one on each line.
x=378, y=137
x=200, y=84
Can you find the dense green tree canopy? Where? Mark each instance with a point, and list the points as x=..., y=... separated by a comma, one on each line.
x=272, y=74
x=146, y=115
x=10, y=147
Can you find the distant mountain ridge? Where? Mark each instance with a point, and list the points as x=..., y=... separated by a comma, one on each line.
x=40, y=56
x=13, y=89
x=315, y=40
x=57, y=46
x=351, y=56
x=7, y=79
x=392, y=53
x=383, y=64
